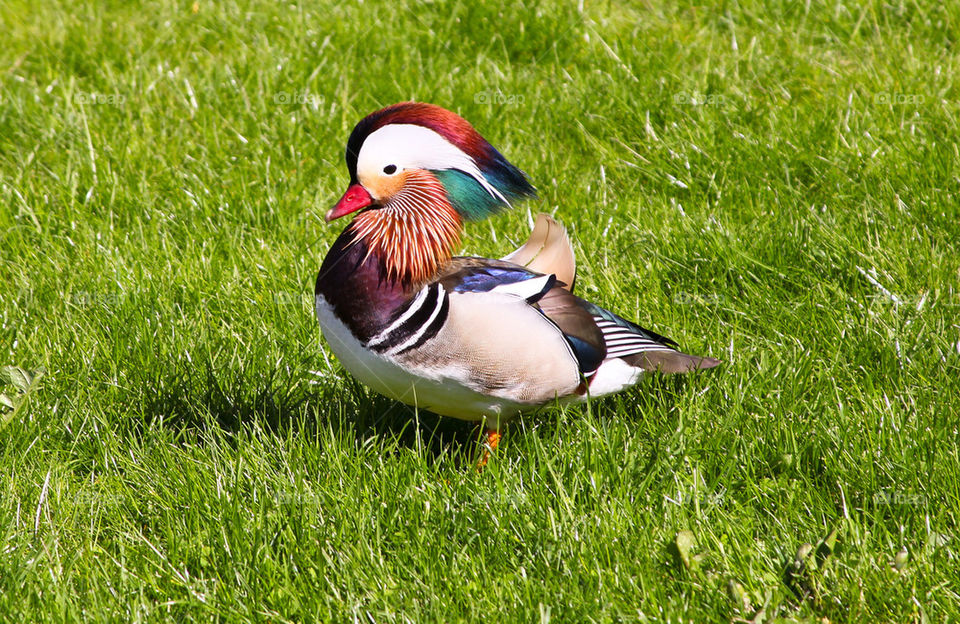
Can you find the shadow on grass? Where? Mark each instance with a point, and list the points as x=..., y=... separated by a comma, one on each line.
x=284, y=399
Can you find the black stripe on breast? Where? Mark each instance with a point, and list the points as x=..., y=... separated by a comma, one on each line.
x=435, y=326
x=412, y=325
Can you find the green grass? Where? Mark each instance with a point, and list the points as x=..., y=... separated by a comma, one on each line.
x=774, y=184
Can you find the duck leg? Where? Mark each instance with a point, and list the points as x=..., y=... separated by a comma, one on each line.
x=490, y=445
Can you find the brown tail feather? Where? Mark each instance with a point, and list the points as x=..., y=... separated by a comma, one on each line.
x=670, y=361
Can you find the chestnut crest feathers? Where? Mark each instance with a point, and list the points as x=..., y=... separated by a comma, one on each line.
x=477, y=179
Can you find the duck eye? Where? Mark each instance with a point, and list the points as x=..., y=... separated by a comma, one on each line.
x=390, y=169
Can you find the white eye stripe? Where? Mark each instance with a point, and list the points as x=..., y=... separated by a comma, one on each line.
x=409, y=146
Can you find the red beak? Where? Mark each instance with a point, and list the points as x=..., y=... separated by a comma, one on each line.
x=353, y=200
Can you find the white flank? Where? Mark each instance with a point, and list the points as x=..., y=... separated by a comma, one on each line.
x=434, y=389
x=448, y=374
x=613, y=376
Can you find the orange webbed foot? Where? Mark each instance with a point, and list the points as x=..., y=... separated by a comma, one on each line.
x=490, y=445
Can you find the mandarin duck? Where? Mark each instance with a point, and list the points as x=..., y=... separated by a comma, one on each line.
x=473, y=338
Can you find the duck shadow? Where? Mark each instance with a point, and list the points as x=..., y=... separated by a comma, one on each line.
x=284, y=399
x=281, y=400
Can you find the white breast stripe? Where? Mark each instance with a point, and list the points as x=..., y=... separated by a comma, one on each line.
x=415, y=305
x=423, y=328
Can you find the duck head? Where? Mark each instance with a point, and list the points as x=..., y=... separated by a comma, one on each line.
x=393, y=152
x=417, y=171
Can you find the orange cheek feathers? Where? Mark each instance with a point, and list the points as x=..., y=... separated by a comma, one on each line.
x=415, y=231
x=383, y=187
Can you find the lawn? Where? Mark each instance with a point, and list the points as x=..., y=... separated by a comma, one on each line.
x=773, y=184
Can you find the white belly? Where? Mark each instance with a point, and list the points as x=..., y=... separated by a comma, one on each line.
x=437, y=389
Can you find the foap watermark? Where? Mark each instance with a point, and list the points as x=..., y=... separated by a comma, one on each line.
x=285, y=298
x=695, y=98
x=86, y=299
x=282, y=497
x=899, y=99
x=295, y=498
x=703, y=499
x=693, y=298
x=22, y=296
x=498, y=97
x=89, y=97
x=92, y=498
x=900, y=499
x=919, y=302
x=298, y=97
x=501, y=499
